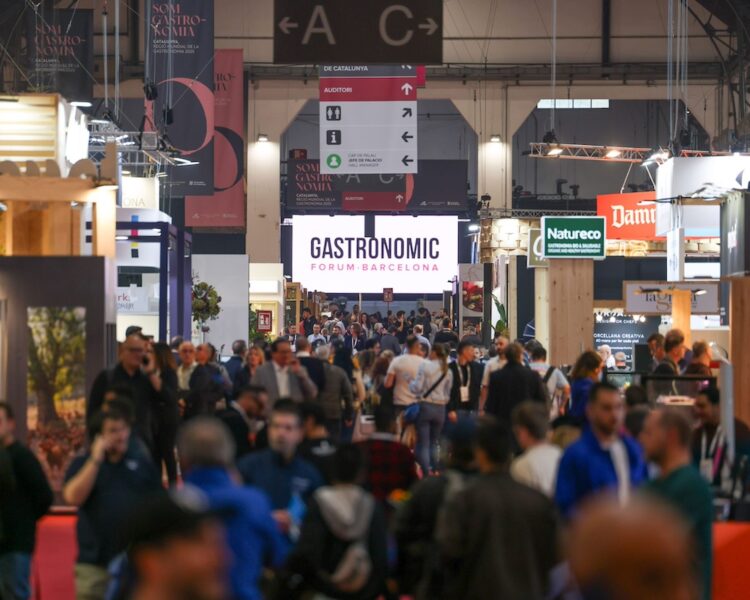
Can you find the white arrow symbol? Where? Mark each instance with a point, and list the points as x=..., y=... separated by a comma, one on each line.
x=406, y=88
x=285, y=25
x=399, y=197
x=430, y=26
x=406, y=66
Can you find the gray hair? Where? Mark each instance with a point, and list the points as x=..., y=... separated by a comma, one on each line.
x=323, y=352
x=205, y=442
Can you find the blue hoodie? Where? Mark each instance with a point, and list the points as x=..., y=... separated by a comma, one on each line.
x=252, y=533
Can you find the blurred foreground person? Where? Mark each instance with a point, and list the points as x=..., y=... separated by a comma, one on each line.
x=341, y=551
x=666, y=441
x=177, y=550
x=25, y=497
x=206, y=455
x=390, y=464
x=105, y=484
x=537, y=466
x=602, y=460
x=420, y=572
x=498, y=538
x=288, y=480
x=640, y=552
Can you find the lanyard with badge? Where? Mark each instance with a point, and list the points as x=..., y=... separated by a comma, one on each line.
x=711, y=461
x=464, y=385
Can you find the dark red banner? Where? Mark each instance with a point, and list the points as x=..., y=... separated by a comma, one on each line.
x=226, y=207
x=440, y=186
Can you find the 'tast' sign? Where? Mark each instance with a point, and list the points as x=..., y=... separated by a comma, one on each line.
x=574, y=237
x=350, y=32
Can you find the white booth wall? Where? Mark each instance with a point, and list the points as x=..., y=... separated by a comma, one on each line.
x=228, y=274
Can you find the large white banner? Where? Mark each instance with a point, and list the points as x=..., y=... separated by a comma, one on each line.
x=411, y=255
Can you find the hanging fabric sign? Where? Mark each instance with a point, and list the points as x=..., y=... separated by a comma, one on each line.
x=226, y=208
x=181, y=69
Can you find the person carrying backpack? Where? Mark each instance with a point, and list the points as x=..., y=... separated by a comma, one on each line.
x=342, y=549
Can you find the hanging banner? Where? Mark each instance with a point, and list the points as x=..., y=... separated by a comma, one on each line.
x=440, y=186
x=226, y=208
x=181, y=67
x=61, y=51
x=629, y=216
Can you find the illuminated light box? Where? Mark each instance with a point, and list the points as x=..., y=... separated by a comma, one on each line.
x=411, y=255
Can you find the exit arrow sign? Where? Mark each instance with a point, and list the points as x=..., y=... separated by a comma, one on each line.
x=347, y=32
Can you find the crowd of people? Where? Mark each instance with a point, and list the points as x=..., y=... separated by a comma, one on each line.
x=369, y=456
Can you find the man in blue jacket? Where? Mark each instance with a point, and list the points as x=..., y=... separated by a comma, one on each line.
x=206, y=453
x=602, y=460
x=288, y=480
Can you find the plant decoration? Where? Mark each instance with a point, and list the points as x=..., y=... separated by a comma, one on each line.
x=206, y=303
x=501, y=325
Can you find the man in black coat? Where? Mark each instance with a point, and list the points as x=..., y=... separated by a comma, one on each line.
x=467, y=383
x=21, y=506
x=513, y=384
x=312, y=363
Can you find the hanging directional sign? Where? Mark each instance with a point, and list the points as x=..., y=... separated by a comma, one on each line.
x=348, y=32
x=368, y=119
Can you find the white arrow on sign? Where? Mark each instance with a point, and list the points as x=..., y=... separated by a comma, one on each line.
x=430, y=26
x=399, y=197
x=406, y=88
x=285, y=25
x=406, y=66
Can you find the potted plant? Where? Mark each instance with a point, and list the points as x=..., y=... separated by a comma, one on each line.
x=206, y=304
x=501, y=325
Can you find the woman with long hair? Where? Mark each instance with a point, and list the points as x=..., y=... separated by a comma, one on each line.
x=432, y=386
x=583, y=376
x=162, y=370
x=254, y=358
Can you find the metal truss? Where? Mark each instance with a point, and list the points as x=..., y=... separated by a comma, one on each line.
x=135, y=151
x=620, y=154
x=616, y=73
x=530, y=213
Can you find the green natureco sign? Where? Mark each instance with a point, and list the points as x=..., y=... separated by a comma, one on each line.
x=574, y=237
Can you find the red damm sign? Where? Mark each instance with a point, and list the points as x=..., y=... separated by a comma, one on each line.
x=629, y=216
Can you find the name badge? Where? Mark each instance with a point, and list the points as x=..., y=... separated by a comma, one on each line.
x=464, y=390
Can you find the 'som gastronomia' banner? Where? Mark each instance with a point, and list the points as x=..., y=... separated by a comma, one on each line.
x=61, y=51
x=183, y=31
x=226, y=208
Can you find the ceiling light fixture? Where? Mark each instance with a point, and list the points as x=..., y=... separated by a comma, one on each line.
x=554, y=150
x=81, y=104
x=614, y=153
x=473, y=227
x=495, y=138
x=262, y=137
